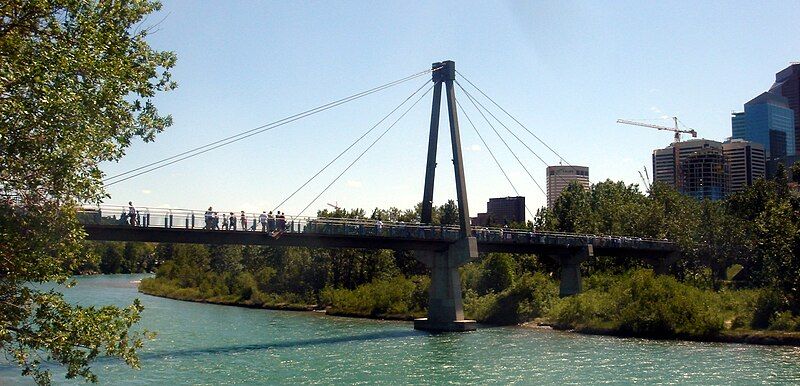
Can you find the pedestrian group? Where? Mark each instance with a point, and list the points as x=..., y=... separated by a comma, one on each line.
x=269, y=222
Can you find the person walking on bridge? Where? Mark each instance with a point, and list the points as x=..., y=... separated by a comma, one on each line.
x=131, y=213
x=263, y=220
x=208, y=216
x=270, y=222
x=232, y=219
x=243, y=220
x=281, y=222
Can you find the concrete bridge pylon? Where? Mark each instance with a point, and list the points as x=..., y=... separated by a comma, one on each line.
x=445, y=304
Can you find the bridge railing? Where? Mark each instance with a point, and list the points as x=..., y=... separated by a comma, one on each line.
x=177, y=218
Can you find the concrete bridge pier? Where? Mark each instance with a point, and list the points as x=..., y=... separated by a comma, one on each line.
x=445, y=304
x=571, y=281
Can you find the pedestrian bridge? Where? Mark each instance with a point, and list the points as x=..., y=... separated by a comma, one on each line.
x=110, y=223
x=165, y=225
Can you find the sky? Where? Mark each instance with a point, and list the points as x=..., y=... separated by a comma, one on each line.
x=566, y=70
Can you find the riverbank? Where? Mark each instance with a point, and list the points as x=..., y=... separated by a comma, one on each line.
x=765, y=338
x=756, y=337
x=283, y=306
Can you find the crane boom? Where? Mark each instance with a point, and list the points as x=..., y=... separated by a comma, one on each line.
x=675, y=129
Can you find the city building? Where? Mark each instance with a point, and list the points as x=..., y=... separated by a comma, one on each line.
x=704, y=174
x=746, y=163
x=559, y=177
x=787, y=84
x=787, y=162
x=695, y=167
x=768, y=120
x=501, y=211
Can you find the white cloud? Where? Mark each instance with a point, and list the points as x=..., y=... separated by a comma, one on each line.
x=146, y=191
x=656, y=110
x=354, y=184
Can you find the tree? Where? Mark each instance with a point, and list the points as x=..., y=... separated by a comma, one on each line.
x=720, y=239
x=572, y=210
x=795, y=171
x=77, y=80
x=498, y=273
x=449, y=213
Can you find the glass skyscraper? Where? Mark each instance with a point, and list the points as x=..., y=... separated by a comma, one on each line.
x=768, y=120
x=787, y=84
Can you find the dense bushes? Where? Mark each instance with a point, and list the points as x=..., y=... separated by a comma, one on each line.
x=395, y=297
x=643, y=304
x=529, y=297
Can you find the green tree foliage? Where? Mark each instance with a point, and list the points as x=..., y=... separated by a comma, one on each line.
x=795, y=171
x=642, y=304
x=448, y=213
x=530, y=296
x=572, y=210
x=498, y=271
x=77, y=80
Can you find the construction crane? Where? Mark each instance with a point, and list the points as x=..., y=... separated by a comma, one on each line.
x=334, y=206
x=645, y=178
x=675, y=129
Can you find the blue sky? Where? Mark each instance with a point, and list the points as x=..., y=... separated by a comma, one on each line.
x=566, y=69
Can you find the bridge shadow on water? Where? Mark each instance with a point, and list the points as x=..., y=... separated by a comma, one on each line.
x=281, y=344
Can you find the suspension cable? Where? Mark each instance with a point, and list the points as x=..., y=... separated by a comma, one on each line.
x=515, y=119
x=351, y=145
x=364, y=152
x=502, y=140
x=560, y=177
x=491, y=153
x=257, y=130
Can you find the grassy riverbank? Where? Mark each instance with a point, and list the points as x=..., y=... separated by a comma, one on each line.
x=642, y=304
x=635, y=304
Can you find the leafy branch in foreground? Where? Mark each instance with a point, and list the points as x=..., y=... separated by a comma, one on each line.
x=77, y=80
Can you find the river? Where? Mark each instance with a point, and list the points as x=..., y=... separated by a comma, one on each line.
x=206, y=344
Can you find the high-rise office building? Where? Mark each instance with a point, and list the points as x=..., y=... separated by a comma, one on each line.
x=704, y=174
x=768, y=120
x=501, y=211
x=746, y=163
x=695, y=167
x=667, y=161
x=787, y=84
x=559, y=177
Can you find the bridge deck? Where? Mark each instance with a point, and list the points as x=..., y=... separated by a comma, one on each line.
x=430, y=238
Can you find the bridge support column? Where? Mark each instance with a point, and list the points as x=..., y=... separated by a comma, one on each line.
x=445, y=305
x=571, y=281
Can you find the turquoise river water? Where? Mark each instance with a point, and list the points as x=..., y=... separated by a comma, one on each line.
x=217, y=345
